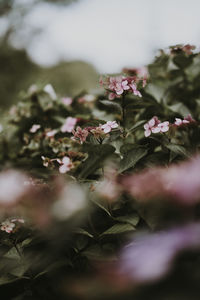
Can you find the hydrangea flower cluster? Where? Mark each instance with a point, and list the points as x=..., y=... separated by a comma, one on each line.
x=119, y=85
x=155, y=126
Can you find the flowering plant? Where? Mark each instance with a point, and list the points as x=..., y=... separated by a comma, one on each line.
x=82, y=178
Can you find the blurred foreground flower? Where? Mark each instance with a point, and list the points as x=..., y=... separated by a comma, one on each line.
x=12, y=187
x=180, y=182
x=150, y=257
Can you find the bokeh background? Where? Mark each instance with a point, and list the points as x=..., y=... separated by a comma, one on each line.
x=68, y=43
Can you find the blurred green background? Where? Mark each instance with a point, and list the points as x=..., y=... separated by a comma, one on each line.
x=18, y=72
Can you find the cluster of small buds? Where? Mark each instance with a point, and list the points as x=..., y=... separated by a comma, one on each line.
x=69, y=124
x=139, y=74
x=155, y=126
x=119, y=85
x=65, y=163
x=34, y=128
x=80, y=134
x=9, y=225
x=47, y=161
x=188, y=49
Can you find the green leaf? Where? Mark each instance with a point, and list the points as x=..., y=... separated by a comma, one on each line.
x=179, y=108
x=131, y=158
x=178, y=149
x=182, y=61
x=156, y=91
x=97, y=155
x=101, y=205
x=137, y=125
x=132, y=219
x=115, y=107
x=83, y=232
x=118, y=229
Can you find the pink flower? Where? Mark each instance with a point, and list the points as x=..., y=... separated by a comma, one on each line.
x=51, y=133
x=163, y=127
x=66, y=165
x=188, y=119
x=67, y=101
x=151, y=126
x=134, y=89
x=108, y=126
x=80, y=134
x=34, y=128
x=7, y=226
x=118, y=84
x=69, y=124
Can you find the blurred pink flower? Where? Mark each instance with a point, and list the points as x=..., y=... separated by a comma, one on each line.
x=67, y=101
x=66, y=165
x=51, y=133
x=34, y=128
x=180, y=183
x=12, y=187
x=69, y=124
x=109, y=126
x=150, y=257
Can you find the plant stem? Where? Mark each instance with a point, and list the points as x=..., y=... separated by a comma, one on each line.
x=123, y=115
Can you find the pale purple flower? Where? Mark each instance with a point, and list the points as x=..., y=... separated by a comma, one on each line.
x=69, y=124
x=134, y=89
x=163, y=127
x=66, y=165
x=179, y=122
x=51, y=133
x=150, y=257
x=187, y=120
x=80, y=134
x=118, y=85
x=67, y=101
x=151, y=126
x=35, y=128
x=109, y=126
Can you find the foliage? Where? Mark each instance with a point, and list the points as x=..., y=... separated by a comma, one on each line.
x=108, y=186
